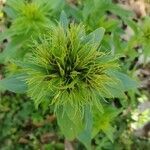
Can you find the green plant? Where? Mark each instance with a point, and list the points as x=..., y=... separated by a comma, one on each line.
x=67, y=71
x=104, y=13
x=143, y=38
x=28, y=19
x=23, y=127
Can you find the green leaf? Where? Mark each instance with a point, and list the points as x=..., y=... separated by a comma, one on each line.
x=73, y=11
x=7, y=33
x=88, y=7
x=127, y=82
x=146, y=51
x=115, y=91
x=109, y=131
x=102, y=121
x=96, y=36
x=70, y=123
x=15, y=83
x=13, y=47
x=116, y=9
x=55, y=4
x=132, y=24
x=63, y=20
x=27, y=65
x=86, y=136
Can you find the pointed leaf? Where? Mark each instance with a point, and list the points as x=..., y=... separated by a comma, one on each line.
x=96, y=36
x=127, y=82
x=70, y=127
x=86, y=136
x=15, y=83
x=7, y=33
x=64, y=20
x=109, y=131
x=102, y=121
x=12, y=48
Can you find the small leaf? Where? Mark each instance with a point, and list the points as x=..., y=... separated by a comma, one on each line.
x=63, y=20
x=102, y=121
x=74, y=11
x=70, y=127
x=6, y=34
x=109, y=131
x=15, y=83
x=96, y=36
x=116, y=9
x=127, y=82
x=86, y=136
x=55, y=4
x=88, y=8
x=12, y=48
x=115, y=91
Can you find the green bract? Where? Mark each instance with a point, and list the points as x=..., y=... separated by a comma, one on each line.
x=69, y=68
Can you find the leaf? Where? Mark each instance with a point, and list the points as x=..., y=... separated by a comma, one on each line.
x=9, y=51
x=102, y=121
x=7, y=33
x=63, y=20
x=73, y=11
x=10, y=12
x=27, y=65
x=70, y=127
x=88, y=7
x=12, y=48
x=117, y=44
x=127, y=82
x=55, y=4
x=115, y=91
x=96, y=36
x=132, y=24
x=86, y=136
x=109, y=131
x=116, y=9
x=146, y=51
x=15, y=83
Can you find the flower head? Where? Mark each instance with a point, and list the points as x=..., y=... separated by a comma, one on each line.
x=68, y=67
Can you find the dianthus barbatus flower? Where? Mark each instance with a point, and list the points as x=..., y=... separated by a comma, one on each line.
x=67, y=67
